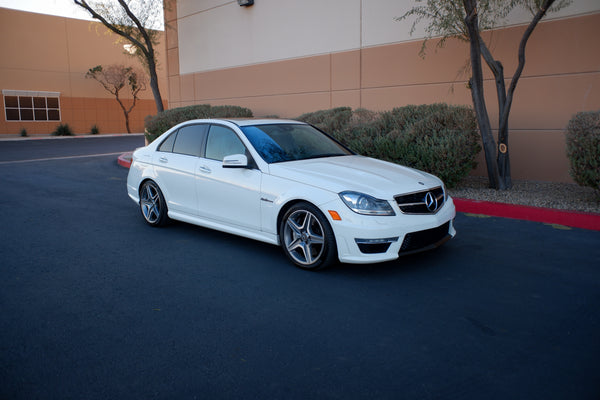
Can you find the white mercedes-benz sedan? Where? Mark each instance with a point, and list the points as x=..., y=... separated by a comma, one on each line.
x=287, y=183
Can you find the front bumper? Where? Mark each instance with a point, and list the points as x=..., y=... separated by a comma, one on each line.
x=365, y=239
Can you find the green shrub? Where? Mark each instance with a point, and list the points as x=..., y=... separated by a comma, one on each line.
x=62, y=130
x=583, y=148
x=230, y=112
x=440, y=139
x=23, y=132
x=94, y=130
x=158, y=124
x=330, y=121
x=436, y=138
x=362, y=132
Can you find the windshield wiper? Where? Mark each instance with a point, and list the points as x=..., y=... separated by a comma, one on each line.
x=310, y=157
x=326, y=155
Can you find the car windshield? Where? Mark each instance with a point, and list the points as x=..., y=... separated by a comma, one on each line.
x=290, y=142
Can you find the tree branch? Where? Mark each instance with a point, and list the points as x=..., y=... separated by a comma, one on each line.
x=147, y=47
x=515, y=79
x=498, y=72
x=140, y=27
x=120, y=32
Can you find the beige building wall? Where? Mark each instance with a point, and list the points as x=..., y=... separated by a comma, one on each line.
x=280, y=57
x=43, y=53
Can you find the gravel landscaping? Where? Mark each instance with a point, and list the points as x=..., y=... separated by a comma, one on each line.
x=563, y=196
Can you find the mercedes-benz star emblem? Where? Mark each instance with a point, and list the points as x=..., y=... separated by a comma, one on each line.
x=431, y=202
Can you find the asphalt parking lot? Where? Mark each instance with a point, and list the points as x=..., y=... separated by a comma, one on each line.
x=97, y=305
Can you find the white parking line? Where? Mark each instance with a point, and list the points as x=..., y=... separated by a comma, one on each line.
x=60, y=158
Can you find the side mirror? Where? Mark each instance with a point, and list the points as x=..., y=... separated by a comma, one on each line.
x=235, y=161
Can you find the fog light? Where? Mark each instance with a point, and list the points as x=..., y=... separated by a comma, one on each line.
x=374, y=246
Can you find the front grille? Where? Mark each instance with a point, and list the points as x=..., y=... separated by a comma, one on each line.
x=419, y=240
x=425, y=202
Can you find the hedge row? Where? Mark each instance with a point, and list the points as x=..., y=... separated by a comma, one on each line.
x=437, y=138
x=583, y=148
x=158, y=124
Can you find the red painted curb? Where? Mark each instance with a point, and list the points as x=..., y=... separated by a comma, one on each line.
x=546, y=215
x=124, y=160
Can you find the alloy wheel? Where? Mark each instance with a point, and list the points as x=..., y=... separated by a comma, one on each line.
x=304, y=237
x=152, y=203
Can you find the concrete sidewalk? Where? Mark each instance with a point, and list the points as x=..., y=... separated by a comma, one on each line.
x=10, y=138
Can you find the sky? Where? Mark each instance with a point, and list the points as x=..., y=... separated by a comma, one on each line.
x=63, y=8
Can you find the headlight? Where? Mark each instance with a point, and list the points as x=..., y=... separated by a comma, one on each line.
x=364, y=204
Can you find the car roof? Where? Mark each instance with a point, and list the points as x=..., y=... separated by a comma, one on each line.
x=246, y=121
x=259, y=121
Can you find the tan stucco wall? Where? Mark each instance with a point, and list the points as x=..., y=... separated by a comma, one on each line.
x=561, y=77
x=48, y=53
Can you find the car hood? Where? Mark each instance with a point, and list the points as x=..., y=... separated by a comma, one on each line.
x=356, y=173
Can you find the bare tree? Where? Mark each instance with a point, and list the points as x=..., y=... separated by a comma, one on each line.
x=115, y=78
x=131, y=20
x=465, y=20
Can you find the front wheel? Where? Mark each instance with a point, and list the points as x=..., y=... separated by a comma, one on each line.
x=307, y=238
x=152, y=204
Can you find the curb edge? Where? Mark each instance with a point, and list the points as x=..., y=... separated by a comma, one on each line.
x=572, y=219
x=125, y=159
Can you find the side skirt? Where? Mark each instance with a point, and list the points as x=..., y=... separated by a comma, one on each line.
x=234, y=230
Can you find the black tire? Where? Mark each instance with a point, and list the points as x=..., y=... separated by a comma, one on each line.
x=307, y=238
x=153, y=205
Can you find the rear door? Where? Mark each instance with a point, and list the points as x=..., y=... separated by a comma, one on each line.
x=175, y=164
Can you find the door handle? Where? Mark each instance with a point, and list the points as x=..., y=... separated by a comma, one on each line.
x=163, y=159
x=204, y=169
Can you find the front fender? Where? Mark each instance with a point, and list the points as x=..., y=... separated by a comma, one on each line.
x=278, y=193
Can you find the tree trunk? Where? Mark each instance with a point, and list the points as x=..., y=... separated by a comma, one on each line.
x=483, y=120
x=503, y=158
x=503, y=162
x=148, y=50
x=127, y=121
x=125, y=113
x=154, y=86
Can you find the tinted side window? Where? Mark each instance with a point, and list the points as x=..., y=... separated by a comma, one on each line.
x=223, y=142
x=167, y=144
x=189, y=140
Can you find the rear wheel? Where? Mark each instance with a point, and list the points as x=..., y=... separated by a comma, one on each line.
x=307, y=238
x=152, y=204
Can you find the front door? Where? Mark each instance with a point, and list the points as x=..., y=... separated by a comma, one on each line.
x=228, y=195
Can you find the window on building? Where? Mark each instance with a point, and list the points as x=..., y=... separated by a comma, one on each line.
x=24, y=105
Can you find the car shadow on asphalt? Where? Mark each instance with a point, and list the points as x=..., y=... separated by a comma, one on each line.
x=255, y=253
x=404, y=265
